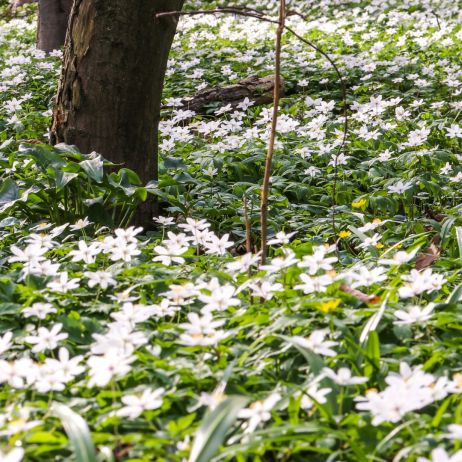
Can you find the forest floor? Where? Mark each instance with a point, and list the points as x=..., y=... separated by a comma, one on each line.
x=344, y=347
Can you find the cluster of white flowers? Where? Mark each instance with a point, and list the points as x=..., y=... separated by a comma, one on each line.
x=200, y=310
x=409, y=390
x=199, y=234
x=419, y=282
x=52, y=375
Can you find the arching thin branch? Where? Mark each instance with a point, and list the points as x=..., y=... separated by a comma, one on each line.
x=273, y=134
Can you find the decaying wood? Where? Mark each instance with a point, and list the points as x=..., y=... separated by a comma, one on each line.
x=365, y=298
x=258, y=89
x=429, y=255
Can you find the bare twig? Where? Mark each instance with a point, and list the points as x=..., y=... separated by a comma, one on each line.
x=434, y=13
x=296, y=13
x=365, y=298
x=236, y=11
x=248, y=227
x=273, y=133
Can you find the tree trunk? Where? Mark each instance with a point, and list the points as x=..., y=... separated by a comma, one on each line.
x=52, y=24
x=110, y=91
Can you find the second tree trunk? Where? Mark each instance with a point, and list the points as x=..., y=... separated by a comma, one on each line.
x=52, y=25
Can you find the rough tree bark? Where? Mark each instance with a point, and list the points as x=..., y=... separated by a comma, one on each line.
x=110, y=90
x=52, y=23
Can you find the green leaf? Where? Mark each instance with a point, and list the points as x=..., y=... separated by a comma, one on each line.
x=441, y=411
x=315, y=361
x=455, y=295
x=8, y=191
x=97, y=213
x=212, y=432
x=7, y=309
x=459, y=240
x=7, y=288
x=174, y=163
x=68, y=149
x=152, y=187
x=6, y=143
x=446, y=230
x=141, y=194
x=175, y=427
x=43, y=155
x=126, y=180
x=94, y=168
x=42, y=437
x=373, y=348
x=63, y=178
x=10, y=221
x=78, y=432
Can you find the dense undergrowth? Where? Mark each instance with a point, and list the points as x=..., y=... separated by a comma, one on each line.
x=345, y=345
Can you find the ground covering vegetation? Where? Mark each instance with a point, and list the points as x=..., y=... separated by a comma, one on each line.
x=343, y=346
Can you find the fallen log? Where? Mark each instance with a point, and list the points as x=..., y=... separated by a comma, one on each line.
x=259, y=90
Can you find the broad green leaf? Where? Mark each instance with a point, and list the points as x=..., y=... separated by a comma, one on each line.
x=63, y=178
x=8, y=191
x=78, y=432
x=94, y=168
x=174, y=163
x=7, y=309
x=215, y=425
x=67, y=149
x=141, y=194
x=44, y=155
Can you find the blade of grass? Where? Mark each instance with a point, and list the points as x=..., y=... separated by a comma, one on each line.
x=459, y=240
x=212, y=432
x=78, y=432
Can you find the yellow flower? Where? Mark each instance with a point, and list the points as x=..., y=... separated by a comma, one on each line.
x=329, y=305
x=359, y=204
x=376, y=220
x=371, y=390
x=379, y=246
x=457, y=378
x=344, y=234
